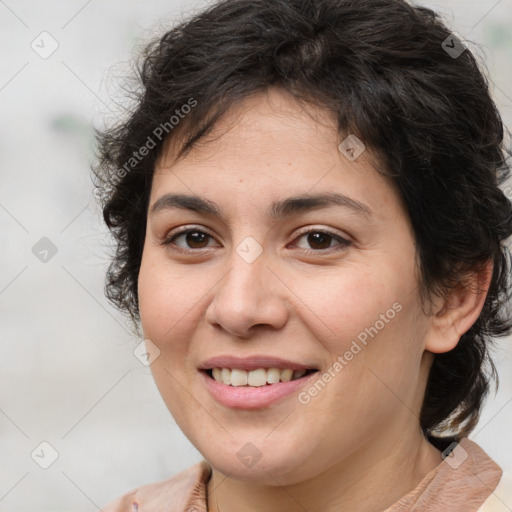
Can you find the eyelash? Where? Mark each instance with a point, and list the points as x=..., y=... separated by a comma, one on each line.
x=342, y=242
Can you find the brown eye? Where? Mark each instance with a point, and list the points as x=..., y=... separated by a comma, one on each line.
x=189, y=239
x=317, y=241
x=196, y=239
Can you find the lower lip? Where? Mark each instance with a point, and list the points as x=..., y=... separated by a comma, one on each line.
x=242, y=397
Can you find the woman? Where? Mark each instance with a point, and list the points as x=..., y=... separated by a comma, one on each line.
x=311, y=239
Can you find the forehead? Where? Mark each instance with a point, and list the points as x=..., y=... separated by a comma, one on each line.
x=268, y=147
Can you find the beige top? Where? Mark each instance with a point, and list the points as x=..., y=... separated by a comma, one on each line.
x=460, y=486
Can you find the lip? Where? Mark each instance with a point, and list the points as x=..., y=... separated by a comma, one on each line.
x=252, y=363
x=242, y=397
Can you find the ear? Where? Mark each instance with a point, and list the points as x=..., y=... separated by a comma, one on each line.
x=456, y=313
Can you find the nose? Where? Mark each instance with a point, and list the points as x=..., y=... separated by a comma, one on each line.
x=249, y=296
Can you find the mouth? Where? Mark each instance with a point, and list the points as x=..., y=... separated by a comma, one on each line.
x=255, y=388
x=259, y=377
x=256, y=381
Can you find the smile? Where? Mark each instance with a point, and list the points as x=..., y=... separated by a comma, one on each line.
x=255, y=378
x=261, y=393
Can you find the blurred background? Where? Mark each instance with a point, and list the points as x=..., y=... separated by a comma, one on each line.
x=81, y=421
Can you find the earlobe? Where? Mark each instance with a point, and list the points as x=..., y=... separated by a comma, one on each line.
x=459, y=311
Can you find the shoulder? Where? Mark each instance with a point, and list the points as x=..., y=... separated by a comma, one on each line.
x=501, y=498
x=175, y=494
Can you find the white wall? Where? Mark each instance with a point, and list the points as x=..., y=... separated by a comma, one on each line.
x=68, y=375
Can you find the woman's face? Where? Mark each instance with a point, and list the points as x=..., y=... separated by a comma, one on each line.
x=299, y=256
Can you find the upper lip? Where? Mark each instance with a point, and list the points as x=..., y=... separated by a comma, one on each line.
x=252, y=363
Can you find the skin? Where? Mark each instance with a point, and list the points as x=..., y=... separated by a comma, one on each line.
x=299, y=301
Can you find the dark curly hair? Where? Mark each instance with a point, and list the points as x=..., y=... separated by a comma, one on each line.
x=384, y=70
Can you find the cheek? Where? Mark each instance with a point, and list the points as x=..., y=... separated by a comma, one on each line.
x=170, y=309
x=370, y=310
x=169, y=299
x=347, y=300
x=369, y=325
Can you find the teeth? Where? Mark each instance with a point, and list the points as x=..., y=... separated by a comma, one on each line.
x=217, y=374
x=256, y=378
x=286, y=375
x=226, y=376
x=297, y=374
x=273, y=375
x=238, y=377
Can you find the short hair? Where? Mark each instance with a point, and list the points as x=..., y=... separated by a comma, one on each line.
x=383, y=69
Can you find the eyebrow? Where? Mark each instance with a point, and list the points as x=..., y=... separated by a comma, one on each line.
x=278, y=210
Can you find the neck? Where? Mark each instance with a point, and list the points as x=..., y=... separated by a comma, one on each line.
x=390, y=469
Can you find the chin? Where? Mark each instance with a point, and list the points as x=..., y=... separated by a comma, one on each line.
x=269, y=466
